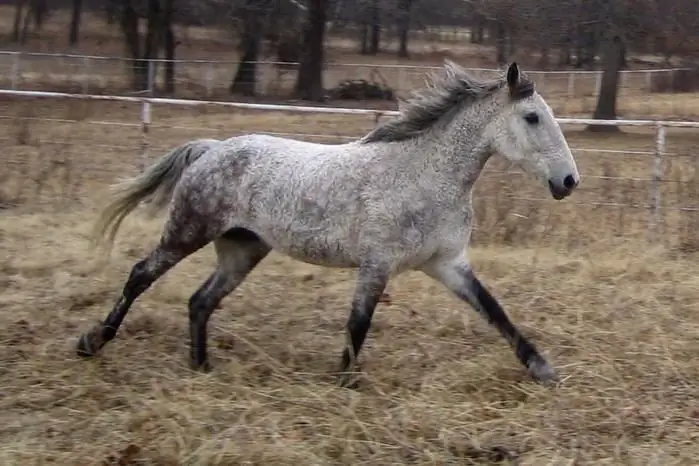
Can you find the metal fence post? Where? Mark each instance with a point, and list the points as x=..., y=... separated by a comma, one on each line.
x=146, y=119
x=571, y=85
x=151, y=77
x=658, y=170
x=209, y=79
x=147, y=115
x=86, y=75
x=15, y=77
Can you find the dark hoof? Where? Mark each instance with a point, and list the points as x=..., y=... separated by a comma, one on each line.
x=91, y=342
x=542, y=372
x=83, y=348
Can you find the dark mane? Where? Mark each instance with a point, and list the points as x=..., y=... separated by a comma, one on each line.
x=445, y=93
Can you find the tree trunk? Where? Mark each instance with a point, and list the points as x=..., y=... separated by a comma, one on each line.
x=478, y=30
x=511, y=41
x=245, y=79
x=404, y=27
x=375, y=43
x=129, y=27
x=19, y=10
x=76, y=15
x=151, y=47
x=26, y=22
x=564, y=58
x=500, y=43
x=309, y=84
x=39, y=8
x=170, y=44
x=606, y=101
x=364, y=39
x=110, y=11
x=544, y=58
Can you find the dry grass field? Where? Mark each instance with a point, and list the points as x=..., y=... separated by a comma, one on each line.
x=615, y=313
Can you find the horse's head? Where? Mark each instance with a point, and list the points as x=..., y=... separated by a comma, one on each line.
x=526, y=133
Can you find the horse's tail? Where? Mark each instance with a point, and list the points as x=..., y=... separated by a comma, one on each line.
x=156, y=184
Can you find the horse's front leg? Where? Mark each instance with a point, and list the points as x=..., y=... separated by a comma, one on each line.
x=371, y=282
x=458, y=276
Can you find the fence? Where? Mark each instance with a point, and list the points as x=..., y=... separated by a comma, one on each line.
x=573, y=92
x=630, y=177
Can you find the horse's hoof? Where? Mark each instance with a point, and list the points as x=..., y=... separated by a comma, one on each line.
x=90, y=343
x=83, y=349
x=541, y=371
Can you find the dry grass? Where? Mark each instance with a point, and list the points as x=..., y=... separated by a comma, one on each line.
x=615, y=315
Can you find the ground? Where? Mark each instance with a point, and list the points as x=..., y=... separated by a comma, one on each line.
x=610, y=302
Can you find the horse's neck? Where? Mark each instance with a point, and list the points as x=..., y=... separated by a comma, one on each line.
x=457, y=152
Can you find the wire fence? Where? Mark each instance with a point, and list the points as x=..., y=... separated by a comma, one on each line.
x=64, y=150
x=572, y=92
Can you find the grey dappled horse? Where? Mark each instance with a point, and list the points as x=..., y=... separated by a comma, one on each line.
x=397, y=199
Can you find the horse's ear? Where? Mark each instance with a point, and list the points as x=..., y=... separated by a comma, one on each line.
x=512, y=74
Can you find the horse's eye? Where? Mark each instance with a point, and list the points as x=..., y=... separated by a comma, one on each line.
x=532, y=118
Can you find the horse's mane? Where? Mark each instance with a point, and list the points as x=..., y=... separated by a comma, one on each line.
x=445, y=92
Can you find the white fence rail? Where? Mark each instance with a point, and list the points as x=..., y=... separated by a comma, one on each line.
x=208, y=77
x=659, y=154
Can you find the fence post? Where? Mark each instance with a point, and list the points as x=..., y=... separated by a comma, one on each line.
x=146, y=115
x=377, y=118
x=209, y=79
x=658, y=169
x=649, y=81
x=86, y=75
x=571, y=85
x=598, y=83
x=146, y=118
x=15, y=70
x=151, y=77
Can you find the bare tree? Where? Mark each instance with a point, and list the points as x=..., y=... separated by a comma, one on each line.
x=309, y=84
x=253, y=17
x=142, y=54
x=19, y=13
x=404, y=13
x=76, y=14
x=170, y=44
x=609, y=89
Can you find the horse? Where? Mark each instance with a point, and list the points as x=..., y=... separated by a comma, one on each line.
x=396, y=199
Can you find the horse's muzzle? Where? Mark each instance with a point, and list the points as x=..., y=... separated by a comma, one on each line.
x=562, y=189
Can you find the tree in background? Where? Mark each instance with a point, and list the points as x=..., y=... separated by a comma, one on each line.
x=159, y=15
x=309, y=83
x=75, y=17
x=253, y=16
x=403, y=26
x=25, y=12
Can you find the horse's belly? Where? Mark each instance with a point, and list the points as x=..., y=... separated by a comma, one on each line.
x=317, y=249
x=318, y=253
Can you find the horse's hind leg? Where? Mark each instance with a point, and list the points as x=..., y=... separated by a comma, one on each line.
x=173, y=247
x=239, y=251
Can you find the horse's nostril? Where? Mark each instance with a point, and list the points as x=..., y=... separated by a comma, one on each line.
x=569, y=182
